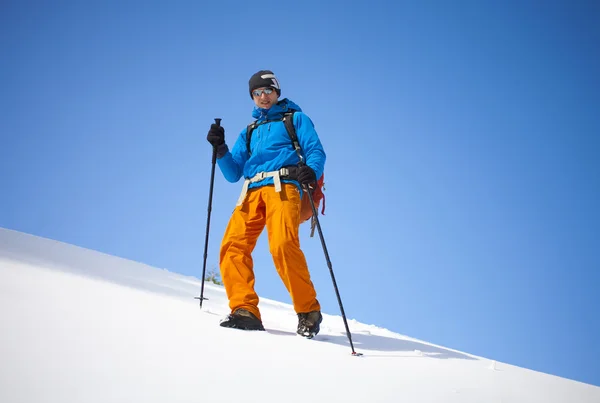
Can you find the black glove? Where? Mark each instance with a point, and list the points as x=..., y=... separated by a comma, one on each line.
x=216, y=135
x=306, y=175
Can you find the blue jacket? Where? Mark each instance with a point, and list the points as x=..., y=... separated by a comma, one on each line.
x=272, y=148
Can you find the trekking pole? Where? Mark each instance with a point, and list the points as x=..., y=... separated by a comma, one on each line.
x=337, y=292
x=210, y=195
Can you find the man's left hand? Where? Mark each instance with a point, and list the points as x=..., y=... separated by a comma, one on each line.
x=306, y=175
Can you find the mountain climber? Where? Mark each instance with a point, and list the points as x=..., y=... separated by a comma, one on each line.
x=275, y=180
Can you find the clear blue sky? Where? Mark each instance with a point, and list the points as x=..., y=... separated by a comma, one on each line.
x=462, y=138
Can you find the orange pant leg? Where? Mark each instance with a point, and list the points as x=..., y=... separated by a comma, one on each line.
x=236, y=264
x=283, y=221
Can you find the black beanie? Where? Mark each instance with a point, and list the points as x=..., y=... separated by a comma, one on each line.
x=264, y=78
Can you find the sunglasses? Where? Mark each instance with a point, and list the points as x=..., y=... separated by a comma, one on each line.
x=258, y=93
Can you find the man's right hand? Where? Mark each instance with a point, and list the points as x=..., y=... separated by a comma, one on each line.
x=216, y=135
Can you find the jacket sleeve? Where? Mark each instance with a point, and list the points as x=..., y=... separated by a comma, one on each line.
x=232, y=163
x=310, y=144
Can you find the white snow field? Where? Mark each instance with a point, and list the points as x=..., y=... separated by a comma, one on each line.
x=82, y=326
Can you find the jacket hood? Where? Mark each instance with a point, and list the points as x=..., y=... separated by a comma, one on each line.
x=276, y=111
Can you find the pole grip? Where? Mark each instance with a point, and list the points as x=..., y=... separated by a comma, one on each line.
x=214, y=154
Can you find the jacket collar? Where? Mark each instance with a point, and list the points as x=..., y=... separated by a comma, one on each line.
x=276, y=111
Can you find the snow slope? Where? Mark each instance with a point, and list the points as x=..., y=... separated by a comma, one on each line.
x=81, y=326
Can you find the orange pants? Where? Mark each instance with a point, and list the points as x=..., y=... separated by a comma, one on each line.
x=280, y=212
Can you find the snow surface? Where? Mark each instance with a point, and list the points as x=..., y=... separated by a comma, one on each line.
x=82, y=326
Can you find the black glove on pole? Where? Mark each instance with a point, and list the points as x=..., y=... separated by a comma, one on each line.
x=306, y=176
x=217, y=134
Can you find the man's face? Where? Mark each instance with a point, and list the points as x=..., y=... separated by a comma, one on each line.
x=264, y=97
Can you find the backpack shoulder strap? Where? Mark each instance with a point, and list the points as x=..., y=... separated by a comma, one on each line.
x=288, y=121
x=249, y=131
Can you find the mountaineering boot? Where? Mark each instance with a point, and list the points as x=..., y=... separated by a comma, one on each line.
x=309, y=324
x=242, y=319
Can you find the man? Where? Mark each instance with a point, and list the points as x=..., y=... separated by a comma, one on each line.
x=274, y=184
